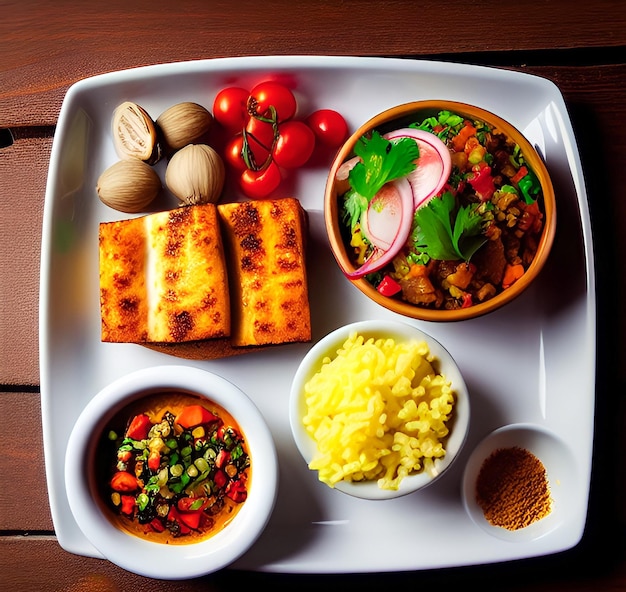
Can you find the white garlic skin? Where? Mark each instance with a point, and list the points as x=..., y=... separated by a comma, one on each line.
x=182, y=124
x=135, y=134
x=196, y=174
x=128, y=186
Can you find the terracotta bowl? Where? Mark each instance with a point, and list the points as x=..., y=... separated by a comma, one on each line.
x=398, y=117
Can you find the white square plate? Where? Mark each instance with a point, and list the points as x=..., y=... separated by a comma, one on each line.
x=533, y=361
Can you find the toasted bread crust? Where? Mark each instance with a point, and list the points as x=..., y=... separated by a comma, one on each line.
x=163, y=278
x=264, y=243
x=123, y=305
x=191, y=299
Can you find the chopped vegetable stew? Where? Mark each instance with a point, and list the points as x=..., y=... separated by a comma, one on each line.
x=467, y=242
x=178, y=470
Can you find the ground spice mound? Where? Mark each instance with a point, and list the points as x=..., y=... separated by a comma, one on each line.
x=512, y=488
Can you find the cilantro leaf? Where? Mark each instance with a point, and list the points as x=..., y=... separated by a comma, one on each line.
x=445, y=234
x=381, y=161
x=353, y=207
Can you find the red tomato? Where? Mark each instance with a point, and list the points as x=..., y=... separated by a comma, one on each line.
x=230, y=108
x=295, y=144
x=260, y=138
x=260, y=184
x=329, y=127
x=275, y=94
x=233, y=153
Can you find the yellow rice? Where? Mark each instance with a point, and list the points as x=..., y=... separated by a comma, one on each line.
x=377, y=411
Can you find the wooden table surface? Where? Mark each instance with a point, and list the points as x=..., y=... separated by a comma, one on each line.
x=47, y=46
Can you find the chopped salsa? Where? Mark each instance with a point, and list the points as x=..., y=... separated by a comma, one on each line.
x=177, y=468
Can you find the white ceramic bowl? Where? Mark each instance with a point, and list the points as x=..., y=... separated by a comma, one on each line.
x=561, y=471
x=152, y=559
x=443, y=363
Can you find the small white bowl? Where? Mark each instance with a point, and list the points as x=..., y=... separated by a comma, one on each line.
x=443, y=363
x=561, y=472
x=152, y=559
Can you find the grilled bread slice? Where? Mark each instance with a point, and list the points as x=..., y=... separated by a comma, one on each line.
x=123, y=302
x=264, y=242
x=163, y=278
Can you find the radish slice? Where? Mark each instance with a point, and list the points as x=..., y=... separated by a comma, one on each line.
x=383, y=219
x=433, y=165
x=387, y=224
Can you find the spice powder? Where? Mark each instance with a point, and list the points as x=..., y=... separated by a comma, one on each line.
x=512, y=488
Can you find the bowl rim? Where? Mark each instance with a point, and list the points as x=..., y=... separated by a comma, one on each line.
x=328, y=345
x=149, y=558
x=536, y=162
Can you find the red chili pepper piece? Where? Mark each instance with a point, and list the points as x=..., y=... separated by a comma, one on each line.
x=220, y=479
x=128, y=505
x=237, y=491
x=388, y=286
x=483, y=184
x=175, y=516
x=154, y=461
x=139, y=427
x=223, y=456
x=157, y=525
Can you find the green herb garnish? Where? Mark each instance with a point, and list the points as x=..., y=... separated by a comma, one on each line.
x=445, y=234
x=381, y=161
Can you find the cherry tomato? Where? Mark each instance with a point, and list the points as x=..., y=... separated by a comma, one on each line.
x=294, y=145
x=260, y=138
x=233, y=153
x=274, y=94
x=260, y=184
x=329, y=127
x=230, y=108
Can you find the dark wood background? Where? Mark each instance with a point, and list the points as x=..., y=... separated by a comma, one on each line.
x=47, y=46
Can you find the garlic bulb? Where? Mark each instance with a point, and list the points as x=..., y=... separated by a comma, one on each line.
x=128, y=186
x=195, y=175
x=134, y=133
x=184, y=123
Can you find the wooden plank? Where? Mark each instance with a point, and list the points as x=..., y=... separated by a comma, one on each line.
x=46, y=47
x=23, y=494
x=38, y=563
x=23, y=173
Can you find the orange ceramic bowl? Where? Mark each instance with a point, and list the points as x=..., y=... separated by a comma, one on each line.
x=398, y=117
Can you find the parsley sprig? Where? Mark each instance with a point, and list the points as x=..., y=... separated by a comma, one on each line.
x=446, y=233
x=381, y=161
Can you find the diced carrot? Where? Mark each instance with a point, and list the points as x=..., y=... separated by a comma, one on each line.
x=417, y=270
x=521, y=173
x=139, y=427
x=511, y=274
x=195, y=415
x=123, y=481
x=467, y=131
